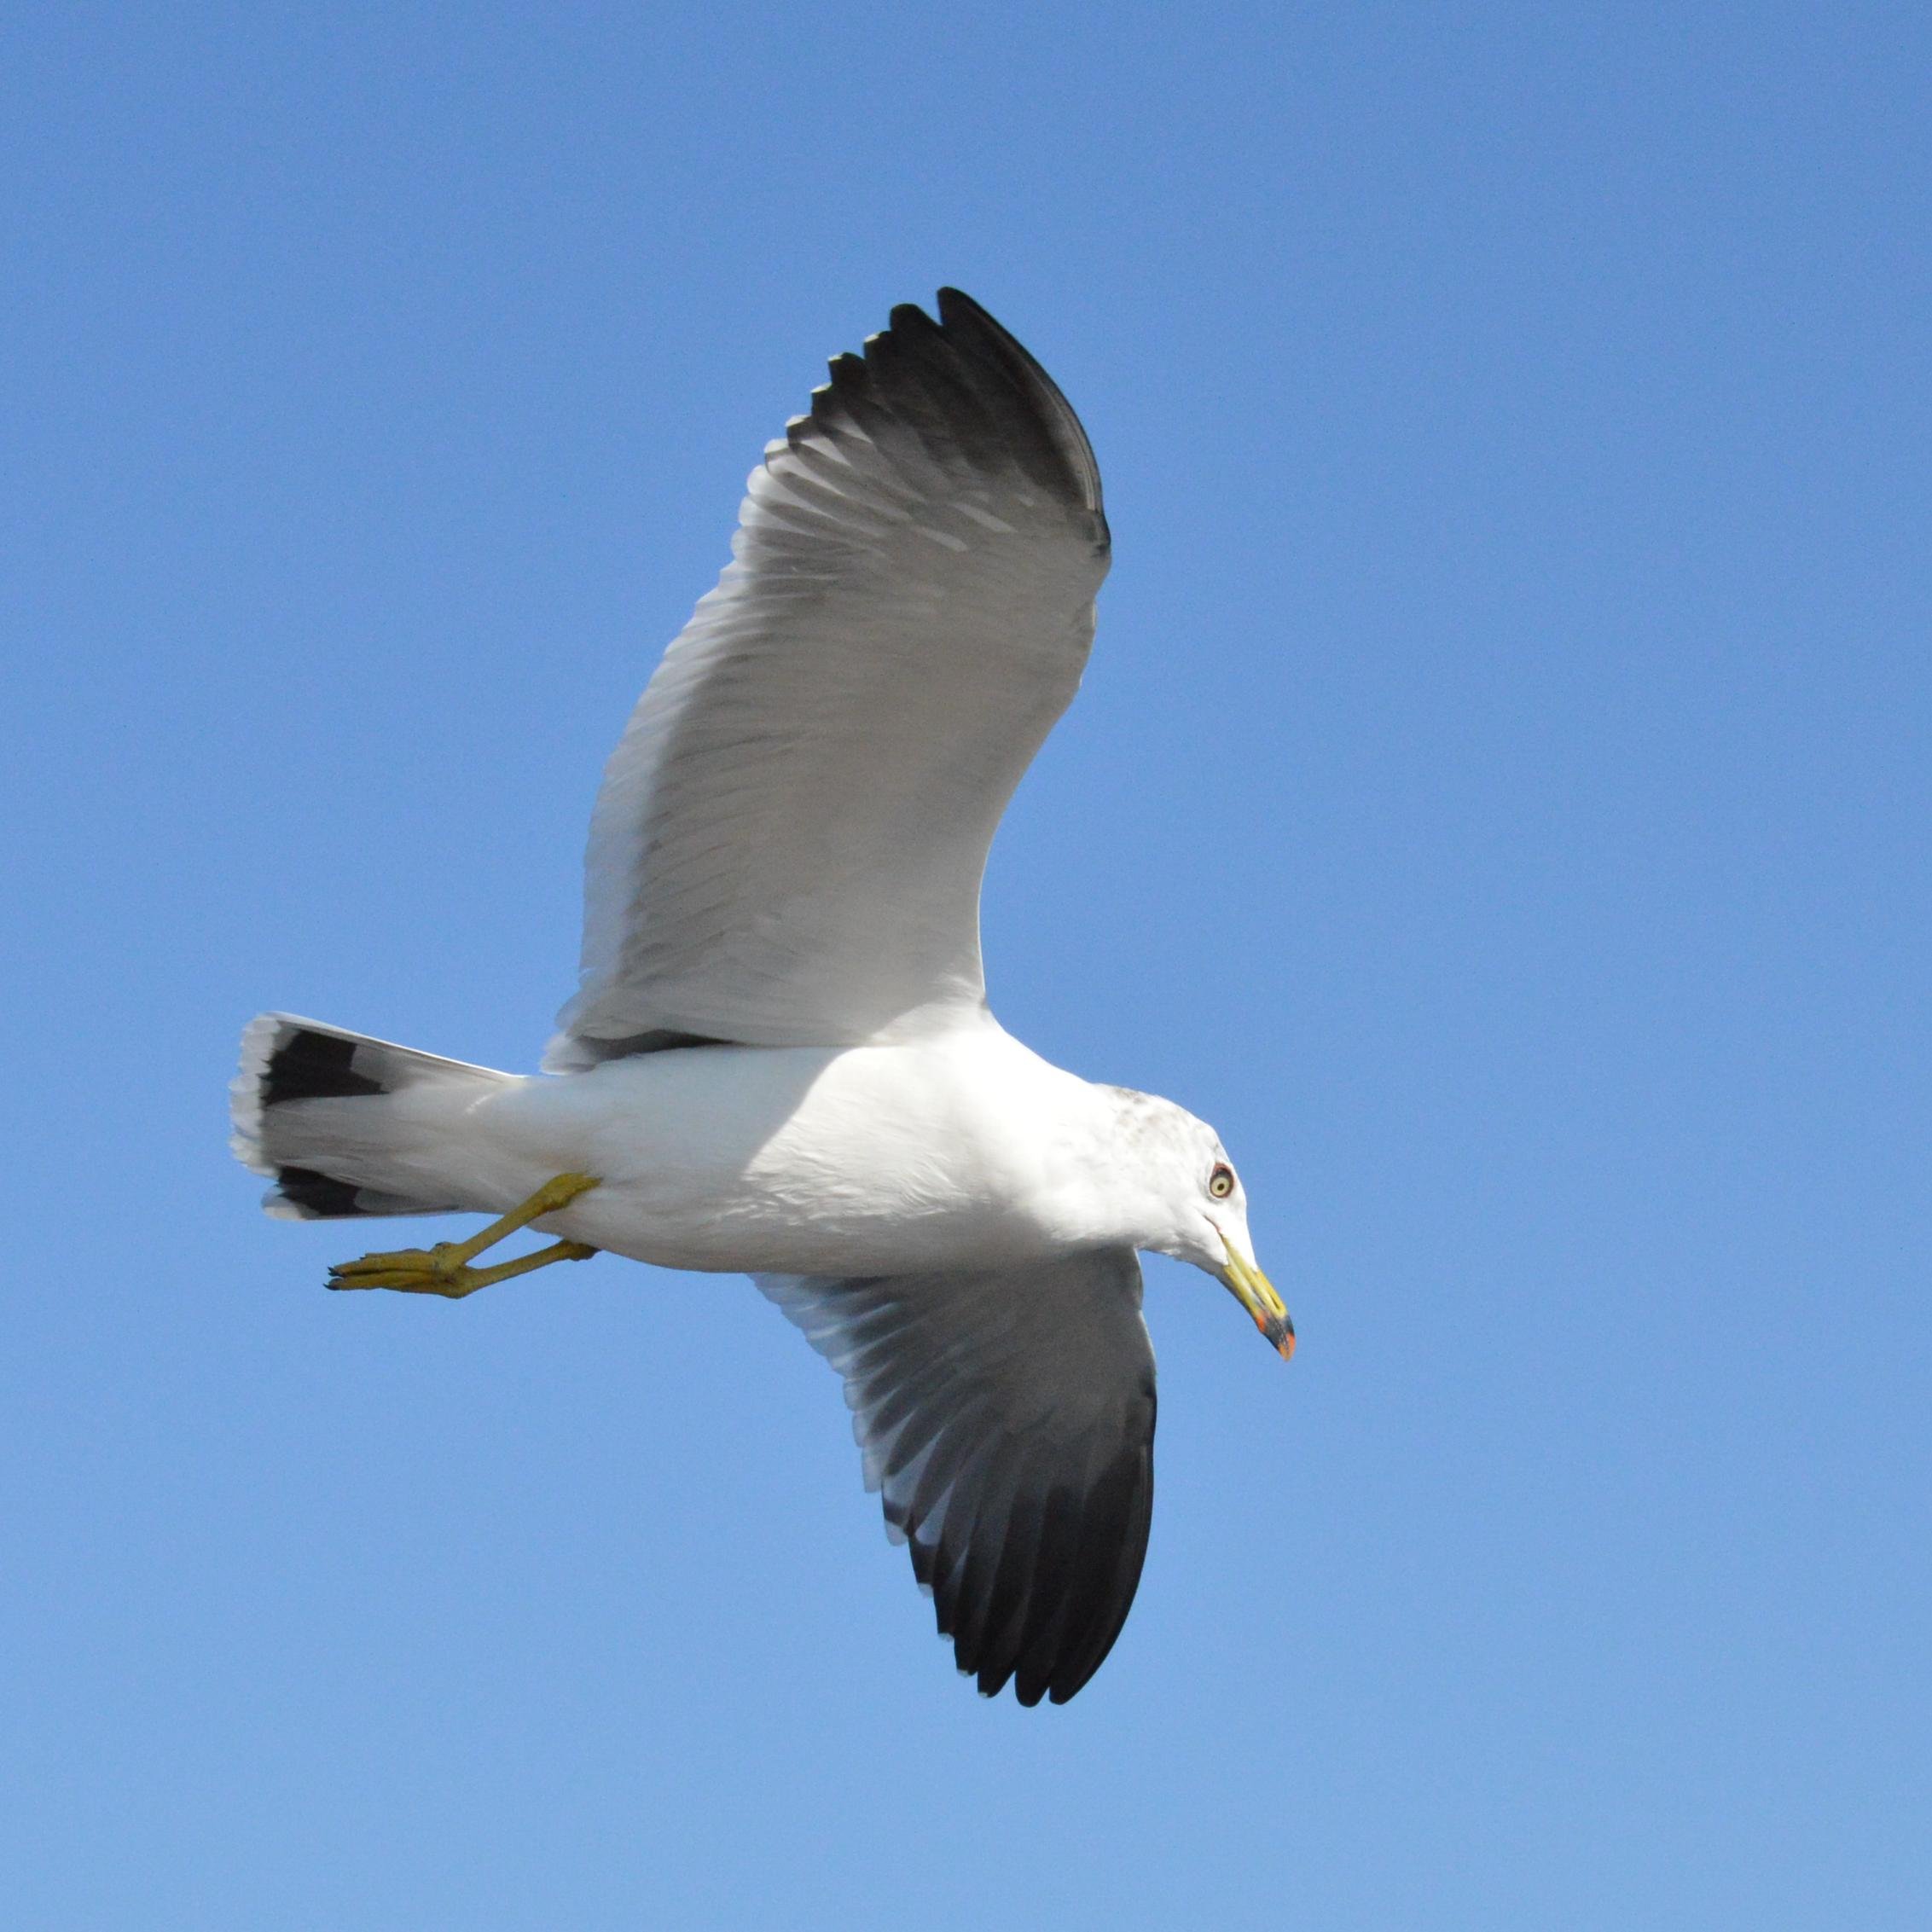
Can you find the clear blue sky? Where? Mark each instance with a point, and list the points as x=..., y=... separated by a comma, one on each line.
x=1499, y=802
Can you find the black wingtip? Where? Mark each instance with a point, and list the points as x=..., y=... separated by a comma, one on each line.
x=909, y=317
x=956, y=302
x=962, y=383
x=973, y=326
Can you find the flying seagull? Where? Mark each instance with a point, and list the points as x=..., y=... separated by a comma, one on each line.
x=779, y=1059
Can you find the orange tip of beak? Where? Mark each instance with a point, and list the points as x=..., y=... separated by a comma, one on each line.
x=1279, y=1332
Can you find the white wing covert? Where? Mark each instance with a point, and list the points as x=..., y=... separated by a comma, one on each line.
x=788, y=845
x=1007, y=1418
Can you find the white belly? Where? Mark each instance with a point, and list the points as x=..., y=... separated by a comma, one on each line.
x=793, y=1160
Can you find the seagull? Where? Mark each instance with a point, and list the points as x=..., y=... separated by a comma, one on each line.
x=779, y=1060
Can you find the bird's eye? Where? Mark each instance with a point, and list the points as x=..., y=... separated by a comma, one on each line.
x=1221, y=1182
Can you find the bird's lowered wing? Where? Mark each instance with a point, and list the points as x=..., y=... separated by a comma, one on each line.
x=788, y=844
x=1007, y=1417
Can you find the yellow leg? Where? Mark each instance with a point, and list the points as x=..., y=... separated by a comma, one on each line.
x=445, y=1269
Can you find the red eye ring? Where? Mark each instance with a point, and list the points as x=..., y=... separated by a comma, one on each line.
x=1221, y=1182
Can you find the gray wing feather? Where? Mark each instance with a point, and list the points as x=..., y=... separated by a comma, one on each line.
x=1006, y=1417
x=788, y=844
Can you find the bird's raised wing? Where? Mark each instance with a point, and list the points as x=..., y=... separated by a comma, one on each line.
x=788, y=845
x=1007, y=1417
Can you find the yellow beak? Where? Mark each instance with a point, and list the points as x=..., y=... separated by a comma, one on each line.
x=1255, y=1293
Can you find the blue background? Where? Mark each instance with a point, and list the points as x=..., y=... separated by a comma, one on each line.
x=1499, y=802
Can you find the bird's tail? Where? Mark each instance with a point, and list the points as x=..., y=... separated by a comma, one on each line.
x=342, y=1124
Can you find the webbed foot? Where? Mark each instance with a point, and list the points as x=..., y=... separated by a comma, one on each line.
x=445, y=1269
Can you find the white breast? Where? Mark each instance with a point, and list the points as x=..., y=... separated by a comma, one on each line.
x=937, y=1153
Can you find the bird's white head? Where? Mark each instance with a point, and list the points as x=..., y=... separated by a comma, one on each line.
x=1195, y=1205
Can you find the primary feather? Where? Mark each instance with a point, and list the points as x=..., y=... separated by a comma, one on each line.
x=788, y=844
